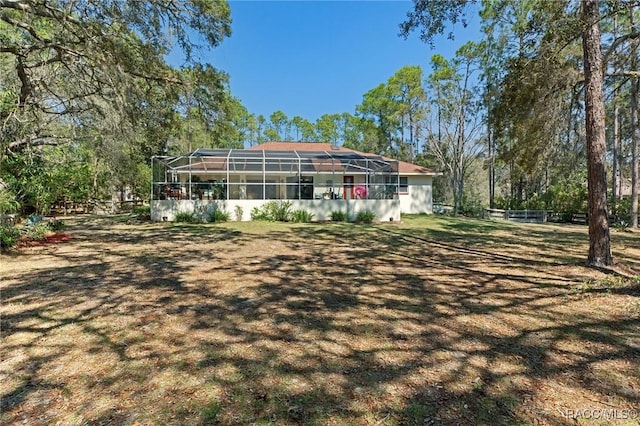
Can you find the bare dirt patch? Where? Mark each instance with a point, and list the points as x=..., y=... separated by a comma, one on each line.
x=433, y=321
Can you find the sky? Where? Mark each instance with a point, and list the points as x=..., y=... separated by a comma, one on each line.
x=310, y=58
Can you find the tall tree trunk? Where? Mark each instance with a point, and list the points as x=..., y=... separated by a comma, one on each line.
x=614, y=151
x=635, y=135
x=492, y=172
x=616, y=130
x=634, y=153
x=599, y=238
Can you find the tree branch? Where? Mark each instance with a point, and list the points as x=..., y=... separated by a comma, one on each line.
x=35, y=140
x=28, y=28
x=617, y=42
x=45, y=12
x=631, y=74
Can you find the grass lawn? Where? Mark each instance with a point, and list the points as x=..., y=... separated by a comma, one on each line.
x=432, y=321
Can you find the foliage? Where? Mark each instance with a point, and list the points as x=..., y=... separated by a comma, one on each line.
x=455, y=138
x=339, y=216
x=56, y=225
x=8, y=202
x=275, y=211
x=142, y=212
x=365, y=216
x=280, y=211
x=118, y=47
x=9, y=235
x=258, y=213
x=472, y=208
x=28, y=178
x=568, y=197
x=622, y=211
x=111, y=101
x=186, y=217
x=302, y=216
x=219, y=215
x=37, y=231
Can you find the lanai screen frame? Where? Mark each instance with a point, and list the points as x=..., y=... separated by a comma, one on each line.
x=174, y=177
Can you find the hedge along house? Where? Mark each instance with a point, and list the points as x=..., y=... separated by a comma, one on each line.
x=316, y=177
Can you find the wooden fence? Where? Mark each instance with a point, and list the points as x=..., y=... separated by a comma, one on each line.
x=99, y=207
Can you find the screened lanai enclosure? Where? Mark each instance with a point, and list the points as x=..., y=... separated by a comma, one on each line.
x=239, y=179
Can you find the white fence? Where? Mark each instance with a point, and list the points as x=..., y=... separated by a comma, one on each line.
x=527, y=216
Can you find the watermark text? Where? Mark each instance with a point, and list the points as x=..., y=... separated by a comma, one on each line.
x=599, y=413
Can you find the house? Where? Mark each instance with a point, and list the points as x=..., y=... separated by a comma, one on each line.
x=316, y=177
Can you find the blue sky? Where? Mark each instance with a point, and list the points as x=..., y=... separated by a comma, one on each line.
x=310, y=58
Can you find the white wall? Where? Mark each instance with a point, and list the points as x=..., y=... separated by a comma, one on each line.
x=418, y=198
x=385, y=210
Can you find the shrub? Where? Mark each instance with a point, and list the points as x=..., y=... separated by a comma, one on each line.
x=8, y=202
x=472, y=208
x=239, y=211
x=142, y=212
x=57, y=225
x=301, y=216
x=184, y=217
x=622, y=211
x=339, y=216
x=279, y=211
x=219, y=215
x=259, y=214
x=37, y=231
x=365, y=216
x=9, y=235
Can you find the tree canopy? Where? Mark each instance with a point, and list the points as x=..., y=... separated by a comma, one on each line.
x=87, y=83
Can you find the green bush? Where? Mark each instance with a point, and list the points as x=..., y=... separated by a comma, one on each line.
x=219, y=215
x=56, y=225
x=37, y=231
x=622, y=211
x=281, y=210
x=365, y=216
x=142, y=212
x=338, y=216
x=259, y=214
x=278, y=211
x=184, y=217
x=472, y=208
x=9, y=235
x=8, y=202
x=301, y=216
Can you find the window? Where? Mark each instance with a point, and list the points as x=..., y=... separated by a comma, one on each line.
x=404, y=184
x=306, y=187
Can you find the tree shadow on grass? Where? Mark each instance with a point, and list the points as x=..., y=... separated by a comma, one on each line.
x=320, y=324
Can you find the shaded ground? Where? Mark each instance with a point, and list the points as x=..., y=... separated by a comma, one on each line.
x=432, y=321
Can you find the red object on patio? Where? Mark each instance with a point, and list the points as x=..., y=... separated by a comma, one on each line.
x=360, y=191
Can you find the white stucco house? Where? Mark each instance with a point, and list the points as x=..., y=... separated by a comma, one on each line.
x=316, y=177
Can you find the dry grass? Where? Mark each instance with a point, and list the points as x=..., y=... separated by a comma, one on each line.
x=432, y=321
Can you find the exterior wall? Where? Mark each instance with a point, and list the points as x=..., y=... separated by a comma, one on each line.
x=418, y=198
x=385, y=210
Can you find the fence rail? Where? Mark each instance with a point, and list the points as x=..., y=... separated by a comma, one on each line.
x=99, y=207
x=526, y=216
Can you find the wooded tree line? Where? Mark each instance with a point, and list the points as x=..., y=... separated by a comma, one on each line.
x=559, y=84
x=86, y=97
